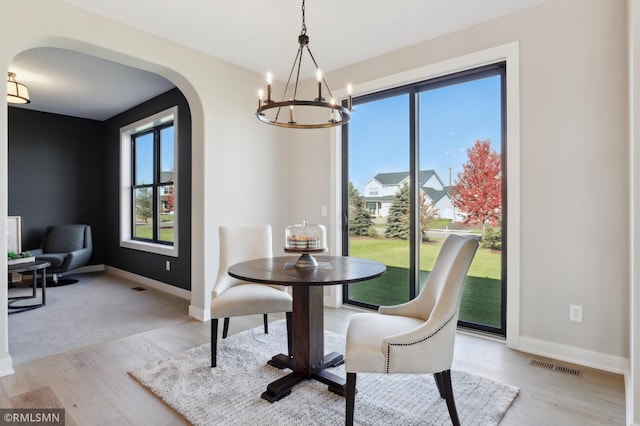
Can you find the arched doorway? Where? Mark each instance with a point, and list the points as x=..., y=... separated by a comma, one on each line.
x=84, y=62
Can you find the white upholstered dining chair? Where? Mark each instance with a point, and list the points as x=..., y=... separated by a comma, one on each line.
x=231, y=297
x=416, y=337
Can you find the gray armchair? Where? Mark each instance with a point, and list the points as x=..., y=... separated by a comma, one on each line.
x=66, y=247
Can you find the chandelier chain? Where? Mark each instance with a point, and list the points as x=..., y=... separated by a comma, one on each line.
x=304, y=25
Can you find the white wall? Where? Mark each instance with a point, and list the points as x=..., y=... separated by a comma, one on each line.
x=574, y=150
x=232, y=150
x=309, y=185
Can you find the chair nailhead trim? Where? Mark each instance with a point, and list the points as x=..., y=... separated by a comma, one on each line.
x=414, y=343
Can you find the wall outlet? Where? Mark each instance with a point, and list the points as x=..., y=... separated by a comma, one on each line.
x=575, y=313
x=168, y=265
x=324, y=211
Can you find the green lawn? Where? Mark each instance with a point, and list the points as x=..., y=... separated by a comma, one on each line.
x=480, y=298
x=144, y=230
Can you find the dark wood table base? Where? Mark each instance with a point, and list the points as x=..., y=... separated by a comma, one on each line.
x=308, y=360
x=280, y=388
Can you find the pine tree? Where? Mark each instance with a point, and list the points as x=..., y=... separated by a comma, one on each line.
x=398, y=219
x=359, y=217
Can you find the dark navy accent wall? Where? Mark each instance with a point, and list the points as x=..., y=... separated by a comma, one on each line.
x=142, y=263
x=67, y=170
x=56, y=174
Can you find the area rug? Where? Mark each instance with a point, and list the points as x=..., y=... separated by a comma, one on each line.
x=230, y=393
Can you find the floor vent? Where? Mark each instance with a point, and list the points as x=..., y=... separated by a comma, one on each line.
x=541, y=364
x=138, y=288
x=558, y=368
x=569, y=370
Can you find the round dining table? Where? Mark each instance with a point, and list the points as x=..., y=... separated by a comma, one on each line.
x=308, y=360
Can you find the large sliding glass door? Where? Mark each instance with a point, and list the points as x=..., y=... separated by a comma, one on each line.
x=420, y=162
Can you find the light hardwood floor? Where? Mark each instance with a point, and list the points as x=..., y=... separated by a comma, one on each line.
x=93, y=386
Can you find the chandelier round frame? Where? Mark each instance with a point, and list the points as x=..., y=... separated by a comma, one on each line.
x=339, y=113
x=342, y=112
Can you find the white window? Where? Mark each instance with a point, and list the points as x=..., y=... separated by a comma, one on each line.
x=148, y=184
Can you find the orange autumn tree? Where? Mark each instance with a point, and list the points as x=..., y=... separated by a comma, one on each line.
x=479, y=187
x=169, y=201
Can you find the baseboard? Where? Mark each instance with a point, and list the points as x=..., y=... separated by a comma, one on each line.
x=628, y=394
x=6, y=366
x=597, y=360
x=150, y=283
x=199, y=314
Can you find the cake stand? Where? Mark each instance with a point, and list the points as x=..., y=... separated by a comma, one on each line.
x=306, y=260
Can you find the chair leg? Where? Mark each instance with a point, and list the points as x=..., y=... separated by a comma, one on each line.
x=214, y=341
x=438, y=379
x=266, y=323
x=289, y=316
x=448, y=396
x=351, y=398
x=225, y=328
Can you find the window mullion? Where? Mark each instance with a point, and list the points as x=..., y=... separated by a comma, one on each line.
x=156, y=179
x=132, y=213
x=345, y=194
x=414, y=191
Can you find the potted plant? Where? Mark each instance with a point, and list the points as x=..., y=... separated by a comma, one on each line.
x=21, y=257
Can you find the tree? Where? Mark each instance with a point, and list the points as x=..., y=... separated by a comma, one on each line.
x=398, y=219
x=169, y=200
x=492, y=238
x=428, y=216
x=359, y=217
x=398, y=223
x=479, y=188
x=144, y=204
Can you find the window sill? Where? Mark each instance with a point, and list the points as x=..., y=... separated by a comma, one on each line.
x=150, y=247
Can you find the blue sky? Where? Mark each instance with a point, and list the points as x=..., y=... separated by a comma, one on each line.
x=144, y=157
x=452, y=118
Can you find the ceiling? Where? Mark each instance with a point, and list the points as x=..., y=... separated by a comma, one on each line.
x=261, y=36
x=64, y=82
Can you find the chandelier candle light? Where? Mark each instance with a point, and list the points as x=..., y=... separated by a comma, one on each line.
x=269, y=110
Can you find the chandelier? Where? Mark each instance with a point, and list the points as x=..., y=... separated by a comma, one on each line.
x=322, y=112
x=17, y=93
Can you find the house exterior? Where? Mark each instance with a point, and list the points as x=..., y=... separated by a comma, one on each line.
x=380, y=191
x=167, y=194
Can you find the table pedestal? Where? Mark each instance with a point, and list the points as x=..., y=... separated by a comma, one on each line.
x=308, y=361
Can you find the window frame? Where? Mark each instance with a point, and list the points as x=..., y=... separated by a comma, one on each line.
x=413, y=90
x=127, y=239
x=509, y=52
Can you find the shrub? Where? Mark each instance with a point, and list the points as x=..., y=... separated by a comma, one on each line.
x=492, y=238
